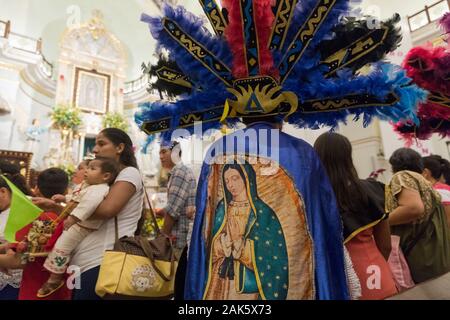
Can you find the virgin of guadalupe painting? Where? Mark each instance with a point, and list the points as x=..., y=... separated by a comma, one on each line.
x=254, y=237
x=92, y=91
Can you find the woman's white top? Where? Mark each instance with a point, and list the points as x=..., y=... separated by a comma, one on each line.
x=3, y=219
x=89, y=253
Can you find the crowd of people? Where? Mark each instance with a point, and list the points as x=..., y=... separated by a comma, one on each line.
x=407, y=219
x=404, y=218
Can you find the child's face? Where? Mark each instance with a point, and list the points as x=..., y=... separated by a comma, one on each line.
x=79, y=174
x=94, y=174
x=5, y=199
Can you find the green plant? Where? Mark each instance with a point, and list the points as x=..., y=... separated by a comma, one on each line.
x=115, y=120
x=69, y=169
x=148, y=229
x=65, y=117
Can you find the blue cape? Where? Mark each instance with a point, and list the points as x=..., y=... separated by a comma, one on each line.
x=302, y=164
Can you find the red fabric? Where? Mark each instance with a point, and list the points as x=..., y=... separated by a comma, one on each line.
x=367, y=262
x=264, y=18
x=35, y=275
x=235, y=38
x=444, y=191
x=429, y=67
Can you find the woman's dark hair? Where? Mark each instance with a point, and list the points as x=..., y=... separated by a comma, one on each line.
x=18, y=180
x=335, y=152
x=117, y=136
x=444, y=166
x=12, y=172
x=9, y=167
x=433, y=165
x=3, y=184
x=406, y=159
x=52, y=181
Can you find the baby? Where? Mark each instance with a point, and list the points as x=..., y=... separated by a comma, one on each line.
x=100, y=174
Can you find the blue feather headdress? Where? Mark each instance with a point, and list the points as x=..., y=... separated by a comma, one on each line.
x=297, y=61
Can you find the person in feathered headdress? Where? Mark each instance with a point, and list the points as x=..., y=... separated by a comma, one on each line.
x=267, y=225
x=429, y=67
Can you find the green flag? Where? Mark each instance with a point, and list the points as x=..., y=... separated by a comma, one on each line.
x=21, y=212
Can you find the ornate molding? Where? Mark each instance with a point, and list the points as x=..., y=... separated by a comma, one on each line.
x=94, y=40
x=25, y=78
x=10, y=66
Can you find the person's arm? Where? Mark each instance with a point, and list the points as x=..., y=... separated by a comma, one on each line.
x=48, y=205
x=168, y=224
x=11, y=260
x=119, y=195
x=190, y=210
x=410, y=208
x=382, y=236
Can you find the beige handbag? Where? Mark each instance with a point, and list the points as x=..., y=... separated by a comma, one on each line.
x=138, y=268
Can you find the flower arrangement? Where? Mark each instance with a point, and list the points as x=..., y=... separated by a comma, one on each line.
x=69, y=169
x=148, y=229
x=65, y=117
x=115, y=120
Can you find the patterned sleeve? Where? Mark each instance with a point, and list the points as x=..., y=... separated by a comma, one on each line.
x=177, y=193
x=403, y=180
x=192, y=192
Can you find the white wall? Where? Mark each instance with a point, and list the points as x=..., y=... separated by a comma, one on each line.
x=15, y=11
x=9, y=83
x=385, y=8
x=48, y=19
x=26, y=105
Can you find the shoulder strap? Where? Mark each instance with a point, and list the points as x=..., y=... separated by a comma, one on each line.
x=116, y=228
x=418, y=237
x=148, y=252
x=152, y=214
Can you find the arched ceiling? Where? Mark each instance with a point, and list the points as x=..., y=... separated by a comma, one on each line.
x=49, y=18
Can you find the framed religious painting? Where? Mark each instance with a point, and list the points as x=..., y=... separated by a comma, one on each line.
x=91, y=91
x=22, y=159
